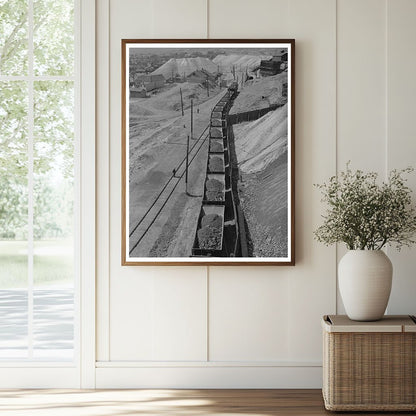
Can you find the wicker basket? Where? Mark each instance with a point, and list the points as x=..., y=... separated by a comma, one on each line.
x=369, y=366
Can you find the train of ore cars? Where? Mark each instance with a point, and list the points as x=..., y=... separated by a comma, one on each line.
x=217, y=232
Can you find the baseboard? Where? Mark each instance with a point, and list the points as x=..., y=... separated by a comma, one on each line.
x=38, y=378
x=209, y=377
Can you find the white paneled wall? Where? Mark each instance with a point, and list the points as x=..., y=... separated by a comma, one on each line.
x=401, y=131
x=361, y=84
x=241, y=19
x=254, y=326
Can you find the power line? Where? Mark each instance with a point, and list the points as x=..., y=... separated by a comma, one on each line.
x=166, y=185
x=180, y=90
x=187, y=165
x=167, y=199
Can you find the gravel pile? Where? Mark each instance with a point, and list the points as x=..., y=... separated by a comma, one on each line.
x=216, y=146
x=214, y=190
x=210, y=233
x=216, y=132
x=216, y=164
x=216, y=122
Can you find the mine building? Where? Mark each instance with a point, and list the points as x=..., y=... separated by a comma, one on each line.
x=138, y=92
x=274, y=65
x=200, y=76
x=149, y=82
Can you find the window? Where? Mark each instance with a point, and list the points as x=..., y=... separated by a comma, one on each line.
x=38, y=185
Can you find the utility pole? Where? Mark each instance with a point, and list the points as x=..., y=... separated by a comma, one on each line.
x=186, y=171
x=234, y=71
x=180, y=90
x=207, y=86
x=192, y=119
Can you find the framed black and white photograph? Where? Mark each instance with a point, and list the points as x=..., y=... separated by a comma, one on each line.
x=208, y=152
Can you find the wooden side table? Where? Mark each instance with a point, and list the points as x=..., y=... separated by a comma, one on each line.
x=369, y=366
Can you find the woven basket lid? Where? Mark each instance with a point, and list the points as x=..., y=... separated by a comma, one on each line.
x=390, y=323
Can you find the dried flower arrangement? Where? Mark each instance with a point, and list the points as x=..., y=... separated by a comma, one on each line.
x=366, y=215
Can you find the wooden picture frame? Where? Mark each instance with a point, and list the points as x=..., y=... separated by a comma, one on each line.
x=208, y=152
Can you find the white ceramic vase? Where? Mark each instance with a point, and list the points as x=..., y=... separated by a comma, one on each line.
x=364, y=278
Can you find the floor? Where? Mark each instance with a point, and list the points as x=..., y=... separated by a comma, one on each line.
x=164, y=402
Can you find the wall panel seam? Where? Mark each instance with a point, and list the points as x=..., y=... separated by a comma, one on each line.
x=386, y=5
x=207, y=313
x=386, y=96
x=336, y=141
x=207, y=12
x=108, y=22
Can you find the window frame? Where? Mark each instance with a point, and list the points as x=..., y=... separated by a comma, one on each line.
x=81, y=371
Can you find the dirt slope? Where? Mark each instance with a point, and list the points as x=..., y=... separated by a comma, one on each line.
x=259, y=93
x=260, y=142
x=263, y=197
x=168, y=100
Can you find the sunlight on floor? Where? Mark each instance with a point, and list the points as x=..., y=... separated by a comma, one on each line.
x=114, y=403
